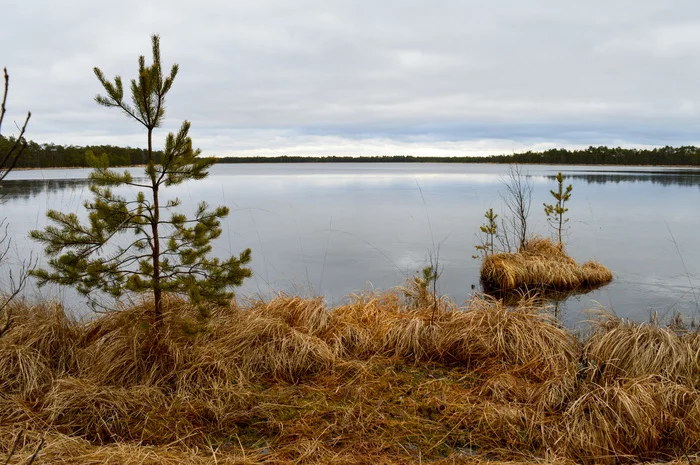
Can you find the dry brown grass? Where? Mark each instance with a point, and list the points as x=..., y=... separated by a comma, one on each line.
x=619, y=349
x=543, y=265
x=692, y=342
x=306, y=315
x=23, y=371
x=612, y=422
x=638, y=417
x=108, y=414
x=381, y=379
x=267, y=347
x=47, y=330
x=490, y=336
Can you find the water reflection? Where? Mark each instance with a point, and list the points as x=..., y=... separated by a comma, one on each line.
x=684, y=178
x=540, y=296
x=28, y=188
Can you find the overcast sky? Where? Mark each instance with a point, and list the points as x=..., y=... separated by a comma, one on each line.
x=428, y=77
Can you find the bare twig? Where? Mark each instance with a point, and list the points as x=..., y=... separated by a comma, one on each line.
x=9, y=160
x=15, y=443
x=16, y=282
x=36, y=452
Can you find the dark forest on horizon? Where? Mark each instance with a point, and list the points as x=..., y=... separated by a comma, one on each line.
x=71, y=156
x=679, y=156
x=58, y=156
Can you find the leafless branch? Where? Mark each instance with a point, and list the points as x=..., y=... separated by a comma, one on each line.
x=16, y=281
x=517, y=197
x=9, y=160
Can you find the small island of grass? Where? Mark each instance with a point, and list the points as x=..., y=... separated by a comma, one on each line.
x=541, y=266
x=526, y=264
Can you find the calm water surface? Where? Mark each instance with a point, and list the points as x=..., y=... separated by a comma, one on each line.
x=334, y=229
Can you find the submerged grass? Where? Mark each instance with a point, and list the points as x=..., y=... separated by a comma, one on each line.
x=543, y=265
x=372, y=381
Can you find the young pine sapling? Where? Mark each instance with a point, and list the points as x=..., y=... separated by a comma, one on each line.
x=489, y=230
x=166, y=255
x=555, y=212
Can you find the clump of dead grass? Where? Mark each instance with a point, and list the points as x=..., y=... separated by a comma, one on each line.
x=633, y=418
x=265, y=345
x=524, y=355
x=307, y=315
x=46, y=329
x=489, y=337
x=121, y=349
x=624, y=349
x=412, y=335
x=692, y=341
x=358, y=327
x=103, y=414
x=542, y=265
x=23, y=371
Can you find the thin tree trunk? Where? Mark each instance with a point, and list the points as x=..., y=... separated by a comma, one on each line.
x=561, y=218
x=158, y=310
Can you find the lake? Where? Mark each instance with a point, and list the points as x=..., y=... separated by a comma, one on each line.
x=335, y=229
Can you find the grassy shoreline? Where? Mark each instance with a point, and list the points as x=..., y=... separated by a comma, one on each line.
x=386, y=378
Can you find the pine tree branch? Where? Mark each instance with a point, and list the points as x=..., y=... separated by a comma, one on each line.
x=140, y=186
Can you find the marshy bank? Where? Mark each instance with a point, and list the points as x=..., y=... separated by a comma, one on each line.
x=381, y=379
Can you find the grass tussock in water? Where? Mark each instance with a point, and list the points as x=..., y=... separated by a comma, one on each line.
x=543, y=265
x=372, y=381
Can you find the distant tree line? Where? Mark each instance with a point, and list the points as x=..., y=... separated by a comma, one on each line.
x=58, y=156
x=54, y=155
x=686, y=155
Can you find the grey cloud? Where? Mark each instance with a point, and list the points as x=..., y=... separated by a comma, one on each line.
x=441, y=71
